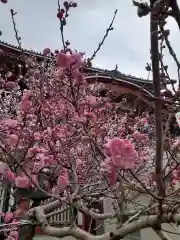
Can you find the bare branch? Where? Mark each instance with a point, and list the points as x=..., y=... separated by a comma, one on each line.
x=18, y=38
x=65, y=231
x=145, y=223
x=110, y=28
x=162, y=235
x=171, y=51
x=95, y=215
x=158, y=104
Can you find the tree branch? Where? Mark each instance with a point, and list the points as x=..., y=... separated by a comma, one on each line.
x=73, y=231
x=145, y=222
x=110, y=28
x=171, y=51
x=158, y=104
x=95, y=215
x=162, y=235
x=18, y=38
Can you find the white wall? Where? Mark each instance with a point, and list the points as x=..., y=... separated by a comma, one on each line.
x=145, y=234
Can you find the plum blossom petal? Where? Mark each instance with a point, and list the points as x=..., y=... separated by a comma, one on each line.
x=8, y=217
x=11, y=123
x=37, y=136
x=12, y=140
x=63, y=60
x=122, y=153
x=22, y=182
x=63, y=180
x=10, y=85
x=91, y=100
x=13, y=235
x=46, y=51
x=10, y=176
x=24, y=105
x=3, y=167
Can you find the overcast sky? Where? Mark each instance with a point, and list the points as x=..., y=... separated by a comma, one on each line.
x=127, y=45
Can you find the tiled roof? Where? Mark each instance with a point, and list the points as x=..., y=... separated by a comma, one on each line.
x=106, y=72
x=17, y=49
x=120, y=75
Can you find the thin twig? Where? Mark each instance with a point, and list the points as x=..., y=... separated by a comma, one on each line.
x=171, y=51
x=61, y=27
x=110, y=28
x=18, y=38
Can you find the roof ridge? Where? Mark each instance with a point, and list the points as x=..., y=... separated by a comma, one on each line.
x=18, y=48
x=120, y=74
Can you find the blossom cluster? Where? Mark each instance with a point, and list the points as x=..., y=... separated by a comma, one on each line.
x=59, y=132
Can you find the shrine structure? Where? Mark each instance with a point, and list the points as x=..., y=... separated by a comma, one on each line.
x=135, y=89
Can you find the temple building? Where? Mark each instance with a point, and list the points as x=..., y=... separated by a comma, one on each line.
x=137, y=91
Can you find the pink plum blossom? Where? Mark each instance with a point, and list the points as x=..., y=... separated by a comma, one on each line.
x=122, y=153
x=12, y=139
x=10, y=85
x=46, y=51
x=11, y=123
x=22, y=182
x=63, y=180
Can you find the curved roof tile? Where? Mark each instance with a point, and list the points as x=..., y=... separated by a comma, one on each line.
x=106, y=72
